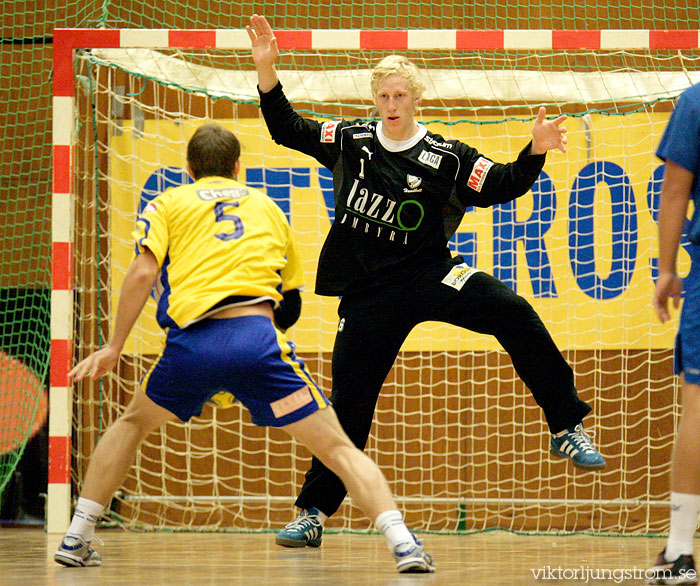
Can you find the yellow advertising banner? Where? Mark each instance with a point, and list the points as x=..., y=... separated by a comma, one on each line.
x=581, y=246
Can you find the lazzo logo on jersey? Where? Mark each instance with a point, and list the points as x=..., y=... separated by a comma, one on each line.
x=430, y=159
x=363, y=135
x=479, y=172
x=374, y=213
x=328, y=130
x=375, y=205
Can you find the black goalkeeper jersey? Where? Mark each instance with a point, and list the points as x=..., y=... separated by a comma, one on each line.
x=395, y=210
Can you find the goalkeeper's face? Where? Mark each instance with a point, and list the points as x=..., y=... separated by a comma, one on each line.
x=396, y=105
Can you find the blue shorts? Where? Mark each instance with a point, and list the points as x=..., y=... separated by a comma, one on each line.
x=687, y=355
x=244, y=356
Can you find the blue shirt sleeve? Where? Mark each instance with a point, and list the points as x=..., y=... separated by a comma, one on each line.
x=680, y=143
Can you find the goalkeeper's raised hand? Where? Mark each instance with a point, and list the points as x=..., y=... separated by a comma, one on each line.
x=265, y=51
x=548, y=134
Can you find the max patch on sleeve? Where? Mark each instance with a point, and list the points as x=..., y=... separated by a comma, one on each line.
x=328, y=130
x=479, y=172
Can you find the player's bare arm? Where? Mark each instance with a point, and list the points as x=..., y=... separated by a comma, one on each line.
x=135, y=291
x=673, y=207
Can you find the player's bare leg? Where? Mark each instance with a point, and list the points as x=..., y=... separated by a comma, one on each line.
x=115, y=452
x=676, y=561
x=109, y=465
x=322, y=434
x=686, y=465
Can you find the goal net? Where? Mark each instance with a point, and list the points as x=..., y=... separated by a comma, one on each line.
x=458, y=435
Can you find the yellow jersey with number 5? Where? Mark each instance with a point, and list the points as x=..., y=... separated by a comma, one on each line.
x=216, y=238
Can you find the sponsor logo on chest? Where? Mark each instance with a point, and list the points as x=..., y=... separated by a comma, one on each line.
x=230, y=193
x=384, y=217
x=430, y=159
x=436, y=143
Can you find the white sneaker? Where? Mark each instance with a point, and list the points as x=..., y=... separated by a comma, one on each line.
x=412, y=558
x=75, y=551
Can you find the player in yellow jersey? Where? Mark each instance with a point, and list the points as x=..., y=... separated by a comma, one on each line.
x=226, y=270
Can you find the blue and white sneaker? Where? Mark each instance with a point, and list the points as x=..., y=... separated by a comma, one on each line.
x=75, y=551
x=574, y=443
x=306, y=529
x=411, y=558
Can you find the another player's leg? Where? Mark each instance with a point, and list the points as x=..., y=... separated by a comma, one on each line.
x=322, y=434
x=370, y=334
x=109, y=465
x=675, y=564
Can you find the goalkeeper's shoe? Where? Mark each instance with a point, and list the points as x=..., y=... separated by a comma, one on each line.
x=75, y=551
x=574, y=443
x=411, y=558
x=306, y=529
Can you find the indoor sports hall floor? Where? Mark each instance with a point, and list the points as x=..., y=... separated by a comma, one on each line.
x=197, y=559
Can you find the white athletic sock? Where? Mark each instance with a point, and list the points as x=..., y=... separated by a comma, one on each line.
x=85, y=517
x=685, y=509
x=391, y=524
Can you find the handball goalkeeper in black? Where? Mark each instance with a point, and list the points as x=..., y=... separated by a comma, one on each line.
x=400, y=193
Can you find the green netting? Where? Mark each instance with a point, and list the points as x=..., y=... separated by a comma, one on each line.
x=25, y=226
x=25, y=117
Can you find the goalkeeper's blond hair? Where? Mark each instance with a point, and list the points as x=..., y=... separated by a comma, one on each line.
x=398, y=65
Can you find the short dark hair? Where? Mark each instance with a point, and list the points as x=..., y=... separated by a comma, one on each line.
x=213, y=151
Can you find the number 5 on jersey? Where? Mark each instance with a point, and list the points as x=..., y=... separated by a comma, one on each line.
x=222, y=216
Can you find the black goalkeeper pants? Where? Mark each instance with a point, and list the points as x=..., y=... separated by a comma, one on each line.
x=374, y=324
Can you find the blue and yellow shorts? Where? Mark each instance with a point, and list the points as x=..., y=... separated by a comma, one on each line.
x=243, y=356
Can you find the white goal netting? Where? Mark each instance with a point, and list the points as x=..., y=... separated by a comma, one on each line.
x=459, y=437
